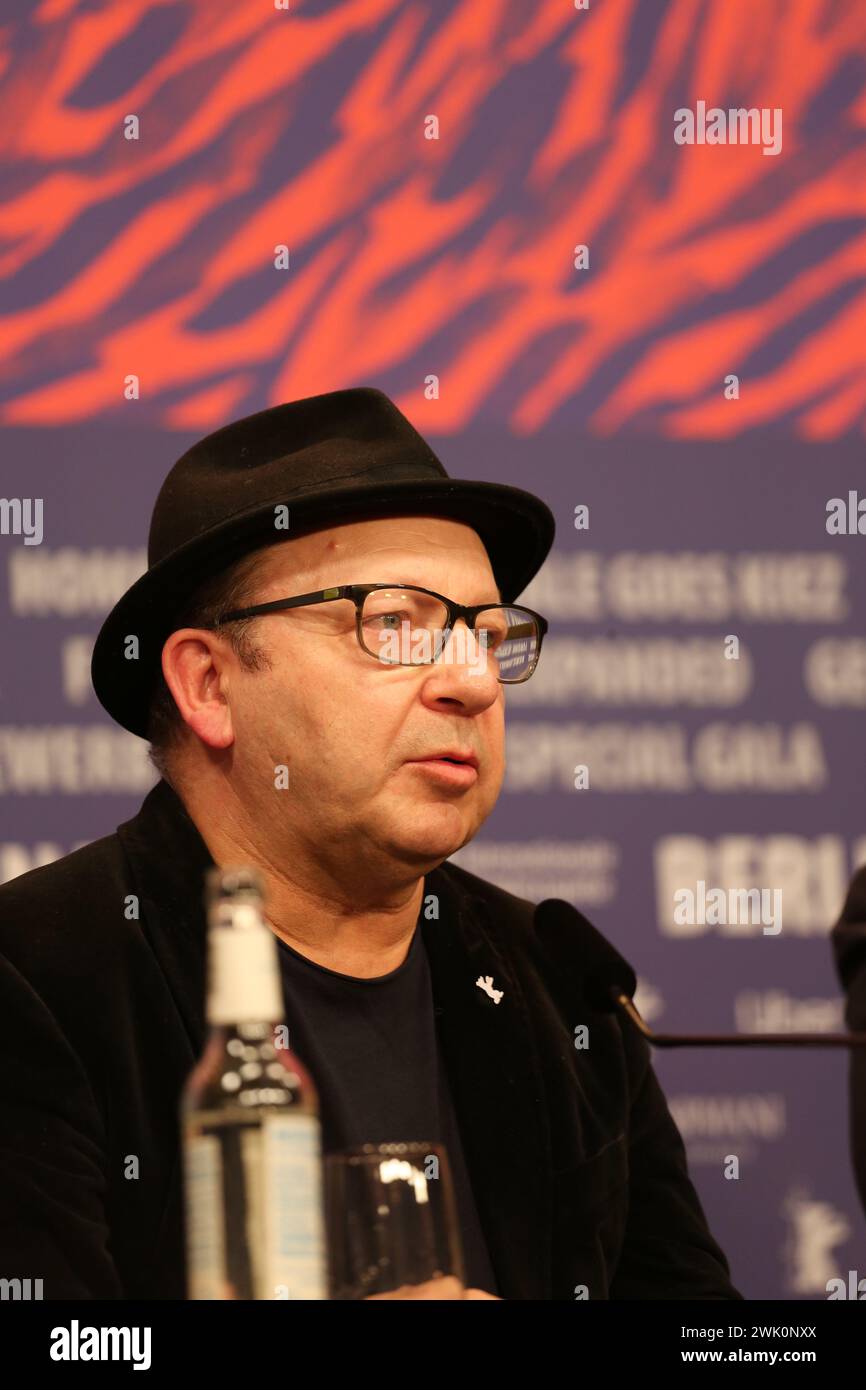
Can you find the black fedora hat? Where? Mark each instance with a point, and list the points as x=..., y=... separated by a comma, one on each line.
x=329, y=459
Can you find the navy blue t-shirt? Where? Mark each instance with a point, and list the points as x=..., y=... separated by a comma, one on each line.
x=372, y=1050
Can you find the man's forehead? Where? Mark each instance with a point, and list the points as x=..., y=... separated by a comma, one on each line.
x=406, y=545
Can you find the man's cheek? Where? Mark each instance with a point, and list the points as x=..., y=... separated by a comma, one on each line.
x=493, y=782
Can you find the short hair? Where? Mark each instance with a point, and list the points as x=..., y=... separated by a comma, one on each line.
x=233, y=587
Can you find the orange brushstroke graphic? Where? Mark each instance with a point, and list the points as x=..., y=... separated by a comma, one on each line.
x=452, y=257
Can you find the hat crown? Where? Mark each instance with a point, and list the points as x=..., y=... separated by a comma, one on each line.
x=341, y=439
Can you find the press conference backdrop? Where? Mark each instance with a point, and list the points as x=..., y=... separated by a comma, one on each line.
x=482, y=209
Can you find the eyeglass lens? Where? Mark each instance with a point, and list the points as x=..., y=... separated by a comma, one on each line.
x=402, y=627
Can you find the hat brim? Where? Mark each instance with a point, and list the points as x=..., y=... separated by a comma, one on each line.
x=516, y=527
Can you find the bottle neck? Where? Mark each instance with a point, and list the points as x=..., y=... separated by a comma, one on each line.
x=244, y=1031
x=244, y=985
x=260, y=1059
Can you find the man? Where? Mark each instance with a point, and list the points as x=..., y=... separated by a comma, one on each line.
x=319, y=652
x=848, y=939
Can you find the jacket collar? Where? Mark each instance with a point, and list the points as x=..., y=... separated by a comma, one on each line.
x=489, y=1048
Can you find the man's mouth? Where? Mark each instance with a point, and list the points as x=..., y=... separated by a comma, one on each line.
x=455, y=768
x=451, y=755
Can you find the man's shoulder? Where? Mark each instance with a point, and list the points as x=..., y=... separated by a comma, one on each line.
x=54, y=911
x=85, y=866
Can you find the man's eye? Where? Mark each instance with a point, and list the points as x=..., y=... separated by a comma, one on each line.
x=388, y=620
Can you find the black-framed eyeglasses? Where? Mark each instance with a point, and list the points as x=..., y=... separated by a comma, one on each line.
x=405, y=625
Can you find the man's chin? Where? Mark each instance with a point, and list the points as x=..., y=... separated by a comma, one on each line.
x=431, y=840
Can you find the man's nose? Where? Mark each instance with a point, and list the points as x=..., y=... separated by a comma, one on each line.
x=465, y=669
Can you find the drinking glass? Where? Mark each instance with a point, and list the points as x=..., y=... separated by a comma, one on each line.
x=391, y=1215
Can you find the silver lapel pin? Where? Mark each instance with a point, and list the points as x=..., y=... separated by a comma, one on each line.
x=485, y=982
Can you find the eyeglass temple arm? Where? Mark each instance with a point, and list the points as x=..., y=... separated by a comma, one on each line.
x=300, y=601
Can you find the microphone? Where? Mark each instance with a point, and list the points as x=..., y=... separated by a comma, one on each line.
x=586, y=960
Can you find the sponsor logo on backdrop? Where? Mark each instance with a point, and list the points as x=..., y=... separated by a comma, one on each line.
x=812, y=874
x=652, y=757
x=692, y=587
x=777, y=1011
x=814, y=1230
x=70, y=581
x=715, y=1125
x=582, y=872
x=72, y=759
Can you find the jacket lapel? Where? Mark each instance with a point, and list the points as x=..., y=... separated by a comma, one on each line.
x=496, y=1085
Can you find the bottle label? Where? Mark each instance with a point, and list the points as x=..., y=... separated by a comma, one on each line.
x=205, y=1233
x=293, y=1234
x=281, y=1198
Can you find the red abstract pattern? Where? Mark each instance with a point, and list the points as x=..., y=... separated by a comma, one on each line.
x=451, y=257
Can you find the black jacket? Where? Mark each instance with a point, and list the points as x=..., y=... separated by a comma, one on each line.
x=849, y=945
x=579, y=1172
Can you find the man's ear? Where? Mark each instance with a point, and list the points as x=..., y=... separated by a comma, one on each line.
x=195, y=665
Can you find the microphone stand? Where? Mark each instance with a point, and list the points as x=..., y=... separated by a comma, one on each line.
x=623, y=1002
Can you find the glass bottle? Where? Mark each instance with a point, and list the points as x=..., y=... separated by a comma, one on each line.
x=250, y=1129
